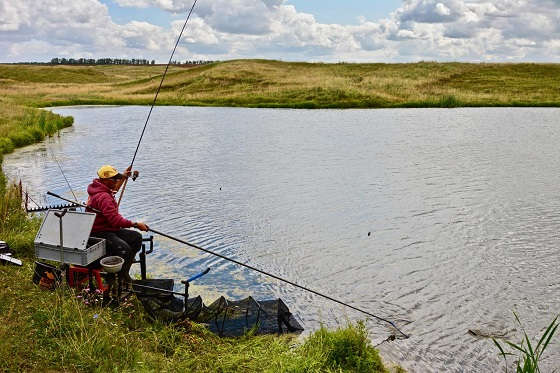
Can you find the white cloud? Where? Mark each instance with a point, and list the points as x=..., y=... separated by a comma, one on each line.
x=12, y=14
x=477, y=30
x=430, y=11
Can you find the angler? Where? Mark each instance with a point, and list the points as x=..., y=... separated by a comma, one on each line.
x=109, y=224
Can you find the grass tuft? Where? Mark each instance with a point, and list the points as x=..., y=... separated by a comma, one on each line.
x=344, y=349
x=528, y=357
x=449, y=102
x=16, y=228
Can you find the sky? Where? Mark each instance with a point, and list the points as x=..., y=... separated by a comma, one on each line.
x=289, y=30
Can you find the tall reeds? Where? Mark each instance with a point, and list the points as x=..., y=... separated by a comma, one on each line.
x=16, y=228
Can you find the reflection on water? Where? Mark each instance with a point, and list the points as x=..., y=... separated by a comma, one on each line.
x=462, y=206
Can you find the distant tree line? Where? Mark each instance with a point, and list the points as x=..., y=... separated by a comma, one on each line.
x=101, y=61
x=118, y=61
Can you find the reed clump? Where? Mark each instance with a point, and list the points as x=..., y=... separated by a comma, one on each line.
x=16, y=227
x=345, y=349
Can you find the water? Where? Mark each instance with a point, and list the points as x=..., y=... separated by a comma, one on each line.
x=462, y=205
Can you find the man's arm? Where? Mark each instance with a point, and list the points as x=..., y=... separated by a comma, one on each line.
x=108, y=208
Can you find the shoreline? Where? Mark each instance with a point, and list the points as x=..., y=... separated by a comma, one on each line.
x=305, y=106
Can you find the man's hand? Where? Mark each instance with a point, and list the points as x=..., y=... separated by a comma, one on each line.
x=128, y=172
x=141, y=226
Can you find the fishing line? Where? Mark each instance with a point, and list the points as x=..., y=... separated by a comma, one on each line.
x=28, y=196
x=254, y=269
x=161, y=82
x=155, y=99
x=63, y=175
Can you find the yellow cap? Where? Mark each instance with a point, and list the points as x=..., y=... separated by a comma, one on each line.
x=107, y=172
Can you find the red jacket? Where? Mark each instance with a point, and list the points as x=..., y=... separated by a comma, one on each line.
x=101, y=198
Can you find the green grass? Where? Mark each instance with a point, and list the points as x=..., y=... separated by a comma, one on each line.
x=16, y=227
x=346, y=349
x=56, y=331
x=21, y=126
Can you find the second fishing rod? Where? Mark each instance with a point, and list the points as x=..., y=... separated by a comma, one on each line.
x=251, y=268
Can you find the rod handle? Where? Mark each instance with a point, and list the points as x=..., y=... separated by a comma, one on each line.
x=54, y=195
x=122, y=192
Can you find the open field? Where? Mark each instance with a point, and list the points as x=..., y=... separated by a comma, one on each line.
x=264, y=83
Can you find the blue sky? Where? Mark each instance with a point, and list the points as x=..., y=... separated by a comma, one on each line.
x=152, y=14
x=325, y=11
x=290, y=30
x=346, y=11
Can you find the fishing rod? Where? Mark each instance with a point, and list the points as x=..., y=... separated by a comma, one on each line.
x=255, y=269
x=75, y=202
x=155, y=98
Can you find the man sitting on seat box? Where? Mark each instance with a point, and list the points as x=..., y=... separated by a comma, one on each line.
x=109, y=224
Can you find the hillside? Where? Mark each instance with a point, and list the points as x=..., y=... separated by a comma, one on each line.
x=263, y=83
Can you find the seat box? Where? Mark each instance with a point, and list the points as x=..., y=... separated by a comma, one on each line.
x=78, y=247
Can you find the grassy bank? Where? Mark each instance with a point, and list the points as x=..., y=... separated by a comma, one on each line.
x=263, y=83
x=44, y=331
x=20, y=126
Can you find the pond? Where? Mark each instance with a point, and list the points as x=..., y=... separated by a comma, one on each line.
x=445, y=218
